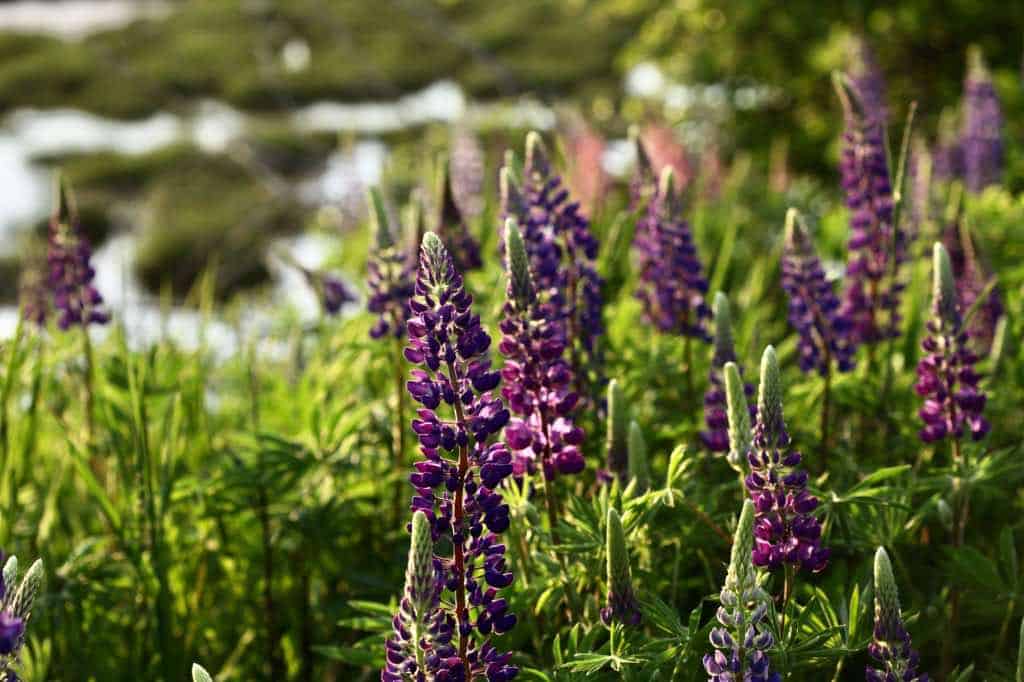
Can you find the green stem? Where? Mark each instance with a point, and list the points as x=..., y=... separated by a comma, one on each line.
x=826, y=404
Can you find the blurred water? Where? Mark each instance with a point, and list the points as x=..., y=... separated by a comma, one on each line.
x=76, y=18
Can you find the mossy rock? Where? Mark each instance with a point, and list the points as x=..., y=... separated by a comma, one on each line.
x=211, y=212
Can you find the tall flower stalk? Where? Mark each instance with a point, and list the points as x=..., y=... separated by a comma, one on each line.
x=786, y=535
x=390, y=279
x=562, y=252
x=452, y=227
x=877, y=247
x=672, y=284
x=456, y=482
x=981, y=139
x=77, y=301
x=538, y=378
x=716, y=436
x=895, y=659
x=973, y=282
x=815, y=313
x=742, y=638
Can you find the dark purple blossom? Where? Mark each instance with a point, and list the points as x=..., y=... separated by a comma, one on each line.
x=672, y=284
x=562, y=251
x=71, y=273
x=716, y=436
x=390, y=273
x=876, y=246
x=814, y=309
x=785, y=532
x=982, y=137
x=891, y=647
x=538, y=379
x=456, y=482
x=946, y=377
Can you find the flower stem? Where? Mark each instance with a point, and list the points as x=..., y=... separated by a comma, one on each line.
x=787, y=592
x=826, y=404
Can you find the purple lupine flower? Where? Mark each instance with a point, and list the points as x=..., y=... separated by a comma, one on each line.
x=71, y=272
x=453, y=230
x=716, y=437
x=390, y=272
x=672, y=283
x=981, y=138
x=946, y=377
x=562, y=251
x=537, y=376
x=891, y=647
x=876, y=246
x=742, y=637
x=467, y=167
x=330, y=289
x=785, y=532
x=814, y=309
x=972, y=278
x=867, y=79
x=457, y=480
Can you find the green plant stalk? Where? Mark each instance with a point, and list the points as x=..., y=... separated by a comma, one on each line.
x=89, y=388
x=551, y=502
x=961, y=508
x=787, y=593
x=826, y=404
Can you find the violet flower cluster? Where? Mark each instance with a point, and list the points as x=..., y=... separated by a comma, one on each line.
x=742, y=638
x=390, y=272
x=814, y=308
x=891, y=647
x=946, y=377
x=562, y=251
x=716, y=436
x=16, y=600
x=672, y=283
x=456, y=482
x=71, y=273
x=538, y=379
x=981, y=139
x=785, y=532
x=877, y=247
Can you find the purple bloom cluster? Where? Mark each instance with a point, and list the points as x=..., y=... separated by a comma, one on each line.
x=456, y=482
x=784, y=529
x=538, y=381
x=946, y=377
x=672, y=283
x=981, y=140
x=12, y=627
x=814, y=308
x=877, y=247
x=390, y=273
x=453, y=230
x=562, y=250
x=71, y=273
x=716, y=437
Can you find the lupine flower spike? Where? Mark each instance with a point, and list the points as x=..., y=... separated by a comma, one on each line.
x=742, y=638
x=896, y=660
x=949, y=154
x=643, y=184
x=616, y=441
x=468, y=172
x=972, y=280
x=785, y=532
x=741, y=436
x=456, y=482
x=621, y=605
x=981, y=140
x=199, y=674
x=16, y=600
x=672, y=284
x=71, y=273
x=866, y=78
x=452, y=227
x=877, y=247
x=716, y=437
x=390, y=276
x=639, y=467
x=946, y=378
x=538, y=378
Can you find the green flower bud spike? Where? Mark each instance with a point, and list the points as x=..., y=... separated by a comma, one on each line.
x=382, y=227
x=24, y=597
x=622, y=605
x=944, y=287
x=887, y=599
x=741, y=577
x=725, y=346
x=419, y=572
x=740, y=435
x=639, y=467
x=520, y=279
x=616, y=445
x=769, y=398
x=199, y=674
